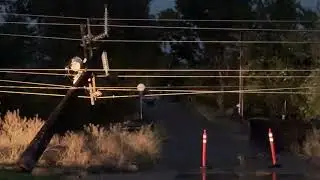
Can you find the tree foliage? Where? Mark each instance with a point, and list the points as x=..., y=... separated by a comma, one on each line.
x=42, y=53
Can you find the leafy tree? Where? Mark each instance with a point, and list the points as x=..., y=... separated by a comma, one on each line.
x=57, y=52
x=179, y=54
x=216, y=55
x=281, y=56
x=17, y=51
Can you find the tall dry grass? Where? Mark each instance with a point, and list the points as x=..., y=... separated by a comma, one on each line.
x=311, y=145
x=94, y=146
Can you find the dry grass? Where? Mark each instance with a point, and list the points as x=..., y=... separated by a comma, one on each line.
x=94, y=146
x=311, y=146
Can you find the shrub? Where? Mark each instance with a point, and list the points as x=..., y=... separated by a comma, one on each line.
x=311, y=145
x=93, y=146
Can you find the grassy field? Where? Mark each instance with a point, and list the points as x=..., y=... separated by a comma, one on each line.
x=94, y=146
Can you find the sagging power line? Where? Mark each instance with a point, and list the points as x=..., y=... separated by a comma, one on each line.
x=176, y=92
x=162, y=70
x=38, y=84
x=169, y=76
x=150, y=89
x=160, y=41
x=164, y=27
x=164, y=19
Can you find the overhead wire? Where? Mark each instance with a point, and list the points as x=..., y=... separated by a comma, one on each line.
x=170, y=76
x=114, y=87
x=31, y=93
x=43, y=16
x=150, y=89
x=35, y=73
x=211, y=76
x=152, y=41
x=160, y=41
x=32, y=83
x=252, y=91
x=162, y=19
x=163, y=27
x=174, y=76
x=162, y=70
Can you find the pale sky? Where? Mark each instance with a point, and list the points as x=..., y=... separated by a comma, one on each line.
x=159, y=5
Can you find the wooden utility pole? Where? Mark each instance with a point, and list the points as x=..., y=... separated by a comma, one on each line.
x=240, y=79
x=37, y=146
x=35, y=149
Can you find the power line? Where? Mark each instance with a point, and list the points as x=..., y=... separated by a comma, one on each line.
x=43, y=16
x=163, y=70
x=162, y=41
x=169, y=76
x=125, y=87
x=164, y=19
x=206, y=76
x=253, y=91
x=35, y=73
x=40, y=37
x=32, y=93
x=56, y=86
x=199, y=93
x=172, y=76
x=213, y=28
x=32, y=83
x=165, y=27
x=40, y=23
x=148, y=95
x=150, y=89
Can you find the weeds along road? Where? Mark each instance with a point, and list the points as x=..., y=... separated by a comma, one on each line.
x=183, y=126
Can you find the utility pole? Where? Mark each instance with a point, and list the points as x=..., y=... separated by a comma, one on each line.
x=240, y=110
x=141, y=88
x=37, y=146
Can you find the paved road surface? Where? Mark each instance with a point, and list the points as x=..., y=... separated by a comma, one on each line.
x=184, y=127
x=181, y=152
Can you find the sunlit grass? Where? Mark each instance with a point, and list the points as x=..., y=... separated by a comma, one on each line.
x=93, y=146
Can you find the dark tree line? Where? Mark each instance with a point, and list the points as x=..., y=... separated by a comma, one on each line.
x=46, y=53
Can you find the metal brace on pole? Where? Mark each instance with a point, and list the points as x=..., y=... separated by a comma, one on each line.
x=94, y=93
x=105, y=62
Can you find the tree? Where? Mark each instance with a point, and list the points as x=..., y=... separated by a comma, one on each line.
x=17, y=51
x=218, y=55
x=121, y=55
x=179, y=54
x=281, y=56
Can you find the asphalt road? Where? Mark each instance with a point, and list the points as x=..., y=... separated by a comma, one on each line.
x=184, y=127
x=181, y=153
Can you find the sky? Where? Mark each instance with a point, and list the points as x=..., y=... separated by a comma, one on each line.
x=159, y=5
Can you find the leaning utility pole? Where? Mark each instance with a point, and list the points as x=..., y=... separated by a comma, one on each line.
x=37, y=146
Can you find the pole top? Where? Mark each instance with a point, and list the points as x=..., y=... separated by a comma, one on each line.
x=141, y=87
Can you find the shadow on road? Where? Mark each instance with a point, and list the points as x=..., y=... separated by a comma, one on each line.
x=184, y=128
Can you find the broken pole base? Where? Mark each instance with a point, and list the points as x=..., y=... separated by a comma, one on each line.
x=37, y=146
